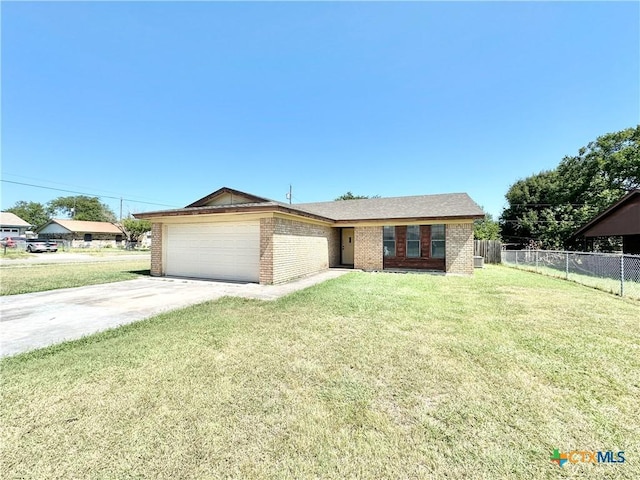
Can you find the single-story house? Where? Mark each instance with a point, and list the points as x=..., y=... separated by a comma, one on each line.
x=81, y=233
x=12, y=225
x=622, y=219
x=233, y=235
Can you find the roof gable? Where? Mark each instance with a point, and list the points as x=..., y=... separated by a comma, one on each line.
x=227, y=196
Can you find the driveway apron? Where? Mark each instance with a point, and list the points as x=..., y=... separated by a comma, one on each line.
x=36, y=320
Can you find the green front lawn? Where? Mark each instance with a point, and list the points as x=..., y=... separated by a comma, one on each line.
x=366, y=376
x=27, y=278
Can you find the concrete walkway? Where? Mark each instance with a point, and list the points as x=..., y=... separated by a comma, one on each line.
x=35, y=320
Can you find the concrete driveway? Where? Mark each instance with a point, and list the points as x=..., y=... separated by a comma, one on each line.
x=35, y=320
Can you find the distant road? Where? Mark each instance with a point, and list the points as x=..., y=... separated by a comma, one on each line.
x=65, y=257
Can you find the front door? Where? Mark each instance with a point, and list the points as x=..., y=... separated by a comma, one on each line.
x=347, y=246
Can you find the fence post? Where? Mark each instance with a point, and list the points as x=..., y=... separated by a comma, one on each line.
x=622, y=275
x=536, y=260
x=566, y=266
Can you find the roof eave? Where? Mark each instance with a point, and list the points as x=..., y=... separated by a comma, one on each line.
x=399, y=220
x=191, y=211
x=605, y=213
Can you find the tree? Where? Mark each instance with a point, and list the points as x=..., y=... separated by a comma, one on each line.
x=486, y=228
x=33, y=212
x=527, y=198
x=351, y=196
x=133, y=229
x=546, y=208
x=82, y=208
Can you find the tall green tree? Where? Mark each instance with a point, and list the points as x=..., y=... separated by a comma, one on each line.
x=82, y=208
x=546, y=208
x=33, y=212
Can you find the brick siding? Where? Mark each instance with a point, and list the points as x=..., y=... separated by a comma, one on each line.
x=459, y=248
x=423, y=262
x=291, y=249
x=156, y=249
x=296, y=249
x=368, y=248
x=267, y=226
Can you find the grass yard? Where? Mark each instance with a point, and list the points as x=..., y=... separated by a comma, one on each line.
x=26, y=278
x=631, y=288
x=13, y=253
x=366, y=376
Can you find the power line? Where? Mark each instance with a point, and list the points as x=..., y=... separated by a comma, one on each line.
x=90, y=194
x=67, y=184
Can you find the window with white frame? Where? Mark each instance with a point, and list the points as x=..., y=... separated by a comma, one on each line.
x=389, y=241
x=437, y=241
x=413, y=241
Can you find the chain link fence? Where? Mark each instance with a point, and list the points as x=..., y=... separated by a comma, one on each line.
x=615, y=273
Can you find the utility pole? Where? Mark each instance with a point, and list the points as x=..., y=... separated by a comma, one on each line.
x=289, y=194
x=120, y=209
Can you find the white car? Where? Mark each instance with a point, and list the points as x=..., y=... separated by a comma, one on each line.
x=39, y=245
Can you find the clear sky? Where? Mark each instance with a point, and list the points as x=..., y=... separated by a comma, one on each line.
x=165, y=102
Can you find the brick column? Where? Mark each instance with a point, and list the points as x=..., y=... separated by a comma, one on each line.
x=156, y=249
x=459, y=247
x=367, y=253
x=267, y=228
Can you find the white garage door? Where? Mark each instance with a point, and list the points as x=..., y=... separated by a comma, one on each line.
x=226, y=251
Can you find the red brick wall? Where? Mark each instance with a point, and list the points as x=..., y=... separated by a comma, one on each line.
x=424, y=261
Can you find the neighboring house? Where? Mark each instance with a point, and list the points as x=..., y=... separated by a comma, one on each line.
x=622, y=219
x=12, y=225
x=144, y=241
x=82, y=234
x=232, y=235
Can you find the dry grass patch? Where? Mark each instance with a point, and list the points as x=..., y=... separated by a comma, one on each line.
x=365, y=376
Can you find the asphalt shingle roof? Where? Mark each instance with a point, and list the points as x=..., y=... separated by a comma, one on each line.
x=82, y=226
x=12, y=220
x=418, y=206
x=448, y=205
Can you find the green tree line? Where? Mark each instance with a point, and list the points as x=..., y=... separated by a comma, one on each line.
x=78, y=207
x=546, y=208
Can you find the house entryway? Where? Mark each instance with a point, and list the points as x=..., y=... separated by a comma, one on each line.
x=346, y=246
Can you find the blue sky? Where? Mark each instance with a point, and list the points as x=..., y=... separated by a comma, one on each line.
x=165, y=102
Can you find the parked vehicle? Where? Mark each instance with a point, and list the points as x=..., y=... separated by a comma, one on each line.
x=35, y=245
x=11, y=242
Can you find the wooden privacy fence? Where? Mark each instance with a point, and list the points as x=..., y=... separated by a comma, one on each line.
x=490, y=250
